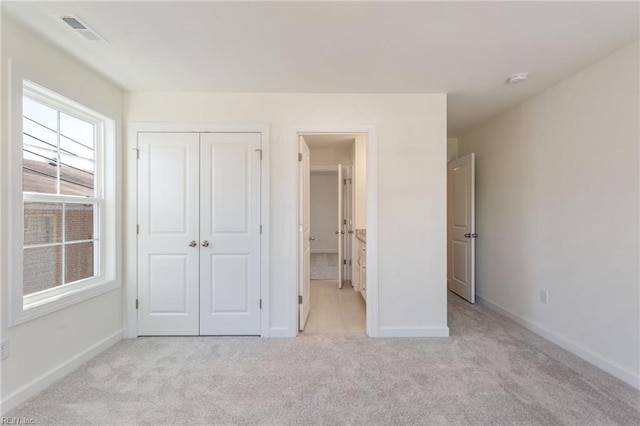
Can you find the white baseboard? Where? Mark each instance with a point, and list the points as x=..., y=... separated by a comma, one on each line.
x=602, y=363
x=46, y=379
x=280, y=332
x=413, y=332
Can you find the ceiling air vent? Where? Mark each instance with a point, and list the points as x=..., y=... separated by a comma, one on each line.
x=83, y=29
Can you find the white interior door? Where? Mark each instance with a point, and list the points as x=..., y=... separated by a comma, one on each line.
x=230, y=234
x=462, y=235
x=304, y=233
x=168, y=221
x=348, y=225
x=340, y=228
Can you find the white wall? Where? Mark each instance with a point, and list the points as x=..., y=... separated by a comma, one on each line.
x=452, y=149
x=330, y=157
x=360, y=182
x=558, y=208
x=43, y=348
x=411, y=132
x=324, y=212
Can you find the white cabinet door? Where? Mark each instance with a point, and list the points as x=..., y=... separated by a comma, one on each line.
x=168, y=220
x=230, y=234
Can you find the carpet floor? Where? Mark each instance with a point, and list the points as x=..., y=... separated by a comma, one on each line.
x=489, y=372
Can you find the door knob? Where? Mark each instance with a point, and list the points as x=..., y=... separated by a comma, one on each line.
x=349, y=231
x=311, y=239
x=474, y=235
x=193, y=243
x=205, y=243
x=467, y=235
x=337, y=232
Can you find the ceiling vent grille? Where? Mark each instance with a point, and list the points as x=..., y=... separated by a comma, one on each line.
x=83, y=29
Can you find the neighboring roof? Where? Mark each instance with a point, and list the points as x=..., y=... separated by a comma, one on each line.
x=39, y=176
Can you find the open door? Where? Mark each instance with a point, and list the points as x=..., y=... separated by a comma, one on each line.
x=340, y=231
x=304, y=233
x=462, y=234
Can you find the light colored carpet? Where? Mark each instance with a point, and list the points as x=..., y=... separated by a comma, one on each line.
x=490, y=372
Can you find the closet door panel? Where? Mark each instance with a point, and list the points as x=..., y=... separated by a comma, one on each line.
x=168, y=220
x=230, y=234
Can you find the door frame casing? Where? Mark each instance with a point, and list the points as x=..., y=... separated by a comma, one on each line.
x=131, y=212
x=372, y=309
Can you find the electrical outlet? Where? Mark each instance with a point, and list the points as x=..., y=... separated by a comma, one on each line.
x=544, y=296
x=4, y=349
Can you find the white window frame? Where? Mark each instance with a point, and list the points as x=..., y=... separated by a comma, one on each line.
x=26, y=307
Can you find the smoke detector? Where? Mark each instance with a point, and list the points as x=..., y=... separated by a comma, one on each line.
x=518, y=78
x=83, y=29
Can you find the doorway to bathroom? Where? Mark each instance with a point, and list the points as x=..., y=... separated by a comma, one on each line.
x=332, y=237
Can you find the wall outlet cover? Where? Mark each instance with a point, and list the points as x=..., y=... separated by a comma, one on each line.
x=544, y=296
x=4, y=349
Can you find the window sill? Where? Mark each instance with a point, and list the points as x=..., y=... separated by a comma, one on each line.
x=56, y=302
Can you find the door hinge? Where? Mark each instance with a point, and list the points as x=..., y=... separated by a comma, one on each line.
x=349, y=263
x=136, y=303
x=260, y=151
x=260, y=303
x=261, y=229
x=299, y=300
x=344, y=261
x=137, y=150
x=344, y=221
x=299, y=156
x=137, y=229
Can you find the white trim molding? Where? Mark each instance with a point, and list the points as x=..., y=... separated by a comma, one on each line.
x=579, y=351
x=46, y=379
x=131, y=259
x=23, y=308
x=372, y=220
x=279, y=332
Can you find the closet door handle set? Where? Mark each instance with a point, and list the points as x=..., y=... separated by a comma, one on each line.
x=193, y=243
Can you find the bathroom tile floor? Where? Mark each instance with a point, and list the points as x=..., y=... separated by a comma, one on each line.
x=335, y=310
x=324, y=266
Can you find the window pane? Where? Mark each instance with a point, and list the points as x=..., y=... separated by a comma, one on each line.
x=40, y=139
x=39, y=167
x=42, y=223
x=40, y=147
x=77, y=155
x=76, y=176
x=39, y=113
x=78, y=222
x=42, y=268
x=78, y=262
x=78, y=131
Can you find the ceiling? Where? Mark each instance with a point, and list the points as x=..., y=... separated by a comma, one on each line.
x=329, y=141
x=466, y=49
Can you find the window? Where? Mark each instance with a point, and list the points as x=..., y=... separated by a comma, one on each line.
x=67, y=196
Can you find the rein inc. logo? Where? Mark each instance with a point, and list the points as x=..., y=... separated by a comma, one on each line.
x=17, y=421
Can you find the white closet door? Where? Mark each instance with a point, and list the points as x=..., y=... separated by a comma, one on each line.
x=168, y=219
x=230, y=234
